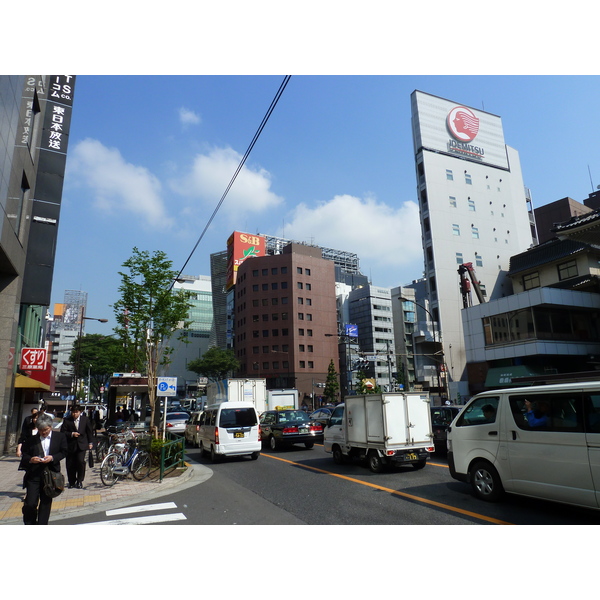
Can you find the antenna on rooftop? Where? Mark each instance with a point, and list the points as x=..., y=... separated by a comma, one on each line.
x=598, y=188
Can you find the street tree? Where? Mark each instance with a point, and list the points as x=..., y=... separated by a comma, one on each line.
x=332, y=384
x=149, y=313
x=96, y=356
x=365, y=385
x=216, y=364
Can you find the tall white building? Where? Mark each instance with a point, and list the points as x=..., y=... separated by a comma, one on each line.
x=474, y=208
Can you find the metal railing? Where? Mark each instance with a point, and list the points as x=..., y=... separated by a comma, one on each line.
x=172, y=453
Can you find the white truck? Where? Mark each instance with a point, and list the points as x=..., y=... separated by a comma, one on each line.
x=285, y=399
x=238, y=390
x=384, y=429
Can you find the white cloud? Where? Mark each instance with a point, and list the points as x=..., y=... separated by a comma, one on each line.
x=210, y=175
x=116, y=186
x=188, y=117
x=387, y=239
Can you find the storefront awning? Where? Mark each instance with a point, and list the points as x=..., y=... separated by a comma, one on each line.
x=503, y=376
x=27, y=383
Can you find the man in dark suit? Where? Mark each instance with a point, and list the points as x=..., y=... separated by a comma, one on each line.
x=45, y=449
x=78, y=429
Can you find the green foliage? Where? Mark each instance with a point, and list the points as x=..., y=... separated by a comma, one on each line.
x=361, y=388
x=99, y=356
x=148, y=313
x=216, y=364
x=332, y=384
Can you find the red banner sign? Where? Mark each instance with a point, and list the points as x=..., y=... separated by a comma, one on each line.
x=33, y=359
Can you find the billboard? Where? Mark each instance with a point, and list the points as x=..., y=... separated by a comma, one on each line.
x=241, y=246
x=441, y=125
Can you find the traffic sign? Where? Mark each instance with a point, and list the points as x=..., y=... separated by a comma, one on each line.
x=166, y=386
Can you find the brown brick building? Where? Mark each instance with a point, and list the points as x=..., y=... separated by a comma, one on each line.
x=284, y=307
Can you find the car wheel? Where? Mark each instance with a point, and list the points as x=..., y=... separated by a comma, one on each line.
x=375, y=462
x=213, y=455
x=419, y=465
x=338, y=455
x=486, y=482
x=254, y=455
x=273, y=443
x=309, y=445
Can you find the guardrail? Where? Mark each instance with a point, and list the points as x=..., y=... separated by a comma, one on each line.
x=172, y=452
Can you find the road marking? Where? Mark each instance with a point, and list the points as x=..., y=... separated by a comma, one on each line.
x=148, y=520
x=145, y=508
x=396, y=492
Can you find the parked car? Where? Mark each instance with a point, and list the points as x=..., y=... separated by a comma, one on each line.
x=441, y=417
x=322, y=415
x=282, y=427
x=176, y=422
x=192, y=429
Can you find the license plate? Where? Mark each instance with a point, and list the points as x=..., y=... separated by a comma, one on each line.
x=411, y=456
x=238, y=434
x=302, y=430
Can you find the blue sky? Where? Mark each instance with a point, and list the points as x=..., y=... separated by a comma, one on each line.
x=150, y=156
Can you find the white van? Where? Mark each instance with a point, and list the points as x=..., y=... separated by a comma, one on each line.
x=229, y=429
x=538, y=441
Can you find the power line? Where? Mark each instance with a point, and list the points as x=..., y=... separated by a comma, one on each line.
x=237, y=171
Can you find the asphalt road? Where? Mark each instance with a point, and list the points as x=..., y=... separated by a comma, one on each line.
x=298, y=486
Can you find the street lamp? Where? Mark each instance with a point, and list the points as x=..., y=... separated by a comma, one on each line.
x=435, y=341
x=78, y=359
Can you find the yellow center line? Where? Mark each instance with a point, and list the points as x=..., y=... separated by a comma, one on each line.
x=396, y=492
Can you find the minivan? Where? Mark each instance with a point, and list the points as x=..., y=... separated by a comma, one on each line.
x=539, y=441
x=229, y=429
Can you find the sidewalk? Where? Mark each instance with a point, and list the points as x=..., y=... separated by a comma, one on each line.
x=96, y=497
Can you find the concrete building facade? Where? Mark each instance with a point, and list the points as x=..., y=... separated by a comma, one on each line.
x=474, y=208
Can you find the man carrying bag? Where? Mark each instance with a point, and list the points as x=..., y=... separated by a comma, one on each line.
x=78, y=429
x=42, y=451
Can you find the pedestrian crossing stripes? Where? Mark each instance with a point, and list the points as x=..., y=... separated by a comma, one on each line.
x=140, y=519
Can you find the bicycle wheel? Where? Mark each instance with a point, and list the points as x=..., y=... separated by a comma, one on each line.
x=102, y=448
x=107, y=474
x=140, y=467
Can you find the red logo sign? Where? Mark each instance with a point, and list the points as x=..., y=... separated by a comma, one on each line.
x=463, y=124
x=33, y=359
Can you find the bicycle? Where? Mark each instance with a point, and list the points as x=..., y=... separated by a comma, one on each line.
x=125, y=461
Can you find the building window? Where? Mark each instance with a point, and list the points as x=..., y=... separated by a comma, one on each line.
x=303, y=364
x=284, y=270
x=254, y=272
x=300, y=300
x=283, y=284
x=459, y=258
x=455, y=229
x=478, y=261
x=567, y=270
x=307, y=272
x=309, y=286
x=301, y=348
x=311, y=364
x=531, y=281
x=452, y=201
x=265, y=272
x=471, y=205
x=308, y=317
x=300, y=285
x=449, y=175
x=468, y=180
x=274, y=271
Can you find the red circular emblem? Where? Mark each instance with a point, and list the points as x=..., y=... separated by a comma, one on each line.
x=463, y=124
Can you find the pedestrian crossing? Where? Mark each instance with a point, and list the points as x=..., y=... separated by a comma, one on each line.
x=139, y=518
